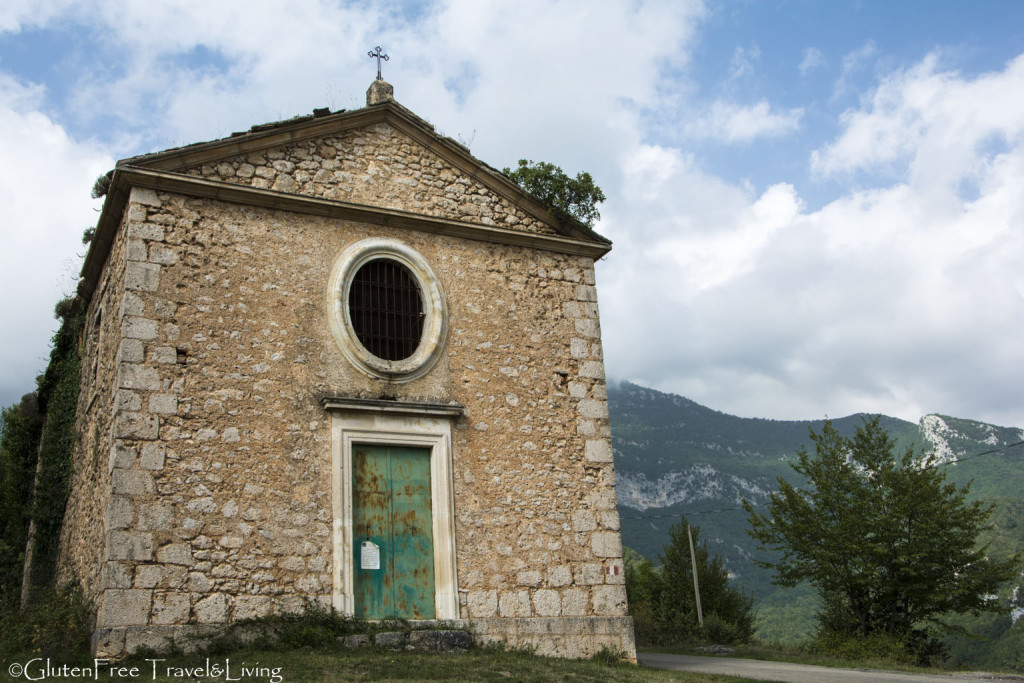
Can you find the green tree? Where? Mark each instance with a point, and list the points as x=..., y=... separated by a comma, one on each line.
x=643, y=589
x=574, y=198
x=20, y=426
x=728, y=612
x=889, y=546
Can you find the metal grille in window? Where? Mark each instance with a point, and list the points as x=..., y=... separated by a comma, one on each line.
x=386, y=310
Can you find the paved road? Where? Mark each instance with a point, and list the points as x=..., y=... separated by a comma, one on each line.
x=800, y=673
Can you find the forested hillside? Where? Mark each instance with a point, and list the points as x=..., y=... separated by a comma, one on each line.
x=674, y=456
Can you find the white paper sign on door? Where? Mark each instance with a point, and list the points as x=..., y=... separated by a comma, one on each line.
x=369, y=555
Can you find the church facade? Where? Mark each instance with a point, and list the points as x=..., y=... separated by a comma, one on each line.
x=338, y=359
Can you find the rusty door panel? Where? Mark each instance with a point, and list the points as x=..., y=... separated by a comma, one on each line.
x=392, y=508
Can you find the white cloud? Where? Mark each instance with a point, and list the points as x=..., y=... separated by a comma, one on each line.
x=44, y=191
x=744, y=62
x=853, y=62
x=813, y=58
x=906, y=298
x=937, y=125
x=733, y=123
x=902, y=296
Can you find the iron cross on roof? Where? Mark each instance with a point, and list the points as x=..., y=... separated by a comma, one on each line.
x=379, y=55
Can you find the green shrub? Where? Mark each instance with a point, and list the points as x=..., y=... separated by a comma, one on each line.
x=918, y=648
x=57, y=624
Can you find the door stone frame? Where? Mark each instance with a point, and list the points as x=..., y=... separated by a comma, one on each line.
x=387, y=423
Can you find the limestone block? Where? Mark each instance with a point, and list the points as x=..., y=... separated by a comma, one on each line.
x=146, y=231
x=165, y=256
x=391, y=640
x=574, y=602
x=134, y=327
x=610, y=519
x=528, y=578
x=586, y=293
x=602, y=499
x=547, y=603
x=134, y=376
x=204, y=504
x=109, y=642
x=153, y=456
x=559, y=576
x=148, y=575
x=129, y=545
x=583, y=520
x=130, y=350
x=136, y=426
x=163, y=404
x=592, y=369
x=588, y=327
x=155, y=516
x=136, y=250
x=483, y=604
x=230, y=541
x=252, y=607
x=176, y=553
x=577, y=390
x=615, y=572
x=355, y=641
x=606, y=544
x=164, y=355
x=124, y=608
x=120, y=513
x=141, y=277
x=117, y=575
x=199, y=583
x=212, y=609
x=284, y=183
x=514, y=604
x=449, y=641
x=589, y=574
x=599, y=450
x=170, y=608
x=127, y=401
x=594, y=409
x=571, y=309
x=144, y=196
x=131, y=482
x=610, y=601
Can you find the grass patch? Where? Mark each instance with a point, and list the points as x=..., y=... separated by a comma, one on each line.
x=482, y=664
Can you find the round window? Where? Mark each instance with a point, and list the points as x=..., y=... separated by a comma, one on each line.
x=387, y=310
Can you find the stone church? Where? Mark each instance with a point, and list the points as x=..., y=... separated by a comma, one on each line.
x=338, y=359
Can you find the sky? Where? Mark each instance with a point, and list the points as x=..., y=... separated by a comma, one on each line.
x=817, y=208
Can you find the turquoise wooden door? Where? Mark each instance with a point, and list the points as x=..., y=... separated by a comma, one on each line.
x=392, y=533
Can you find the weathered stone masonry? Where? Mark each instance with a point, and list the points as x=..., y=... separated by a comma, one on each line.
x=204, y=481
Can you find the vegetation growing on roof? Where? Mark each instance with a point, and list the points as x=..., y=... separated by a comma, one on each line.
x=567, y=198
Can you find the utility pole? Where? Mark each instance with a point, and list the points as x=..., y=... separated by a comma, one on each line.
x=696, y=584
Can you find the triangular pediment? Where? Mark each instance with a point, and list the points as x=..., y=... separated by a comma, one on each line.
x=382, y=156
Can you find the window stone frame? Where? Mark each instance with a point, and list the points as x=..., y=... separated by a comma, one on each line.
x=435, y=322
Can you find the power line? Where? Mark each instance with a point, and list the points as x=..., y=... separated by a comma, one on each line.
x=759, y=505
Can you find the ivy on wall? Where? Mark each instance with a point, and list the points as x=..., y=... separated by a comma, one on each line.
x=37, y=439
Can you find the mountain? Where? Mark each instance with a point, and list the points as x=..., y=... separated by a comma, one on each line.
x=676, y=457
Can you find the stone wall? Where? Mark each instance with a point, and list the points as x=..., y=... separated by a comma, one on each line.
x=104, y=342
x=376, y=166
